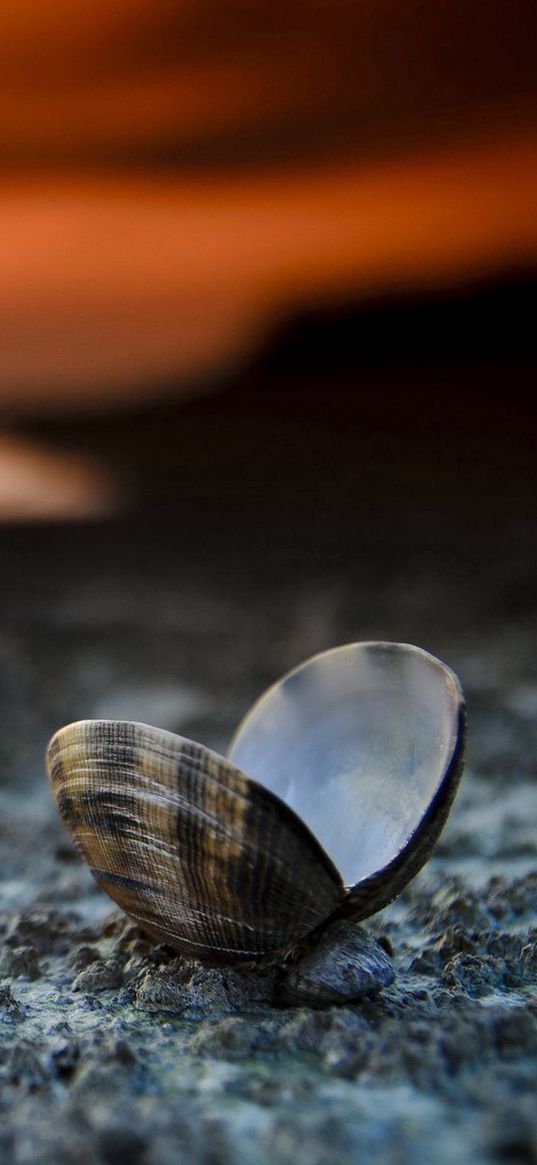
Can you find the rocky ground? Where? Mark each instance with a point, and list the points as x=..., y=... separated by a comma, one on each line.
x=112, y=1050
x=263, y=528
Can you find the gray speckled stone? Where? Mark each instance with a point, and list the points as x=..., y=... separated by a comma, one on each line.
x=121, y=1051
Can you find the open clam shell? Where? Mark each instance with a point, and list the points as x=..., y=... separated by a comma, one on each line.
x=356, y=754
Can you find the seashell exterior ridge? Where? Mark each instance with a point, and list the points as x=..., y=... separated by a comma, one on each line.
x=201, y=857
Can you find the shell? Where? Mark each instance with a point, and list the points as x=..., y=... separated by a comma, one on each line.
x=345, y=963
x=365, y=742
x=196, y=853
x=356, y=753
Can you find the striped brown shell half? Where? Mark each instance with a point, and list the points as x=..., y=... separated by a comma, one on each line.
x=199, y=855
x=357, y=753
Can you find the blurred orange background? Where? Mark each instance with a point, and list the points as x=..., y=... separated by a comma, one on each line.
x=180, y=176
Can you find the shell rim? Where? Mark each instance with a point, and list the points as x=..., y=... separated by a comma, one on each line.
x=376, y=644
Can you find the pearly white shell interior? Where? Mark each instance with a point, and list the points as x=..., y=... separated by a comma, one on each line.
x=357, y=741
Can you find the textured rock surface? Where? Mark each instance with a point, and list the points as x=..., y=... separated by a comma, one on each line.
x=112, y=1049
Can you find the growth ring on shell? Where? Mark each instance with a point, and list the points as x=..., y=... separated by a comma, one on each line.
x=336, y=786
